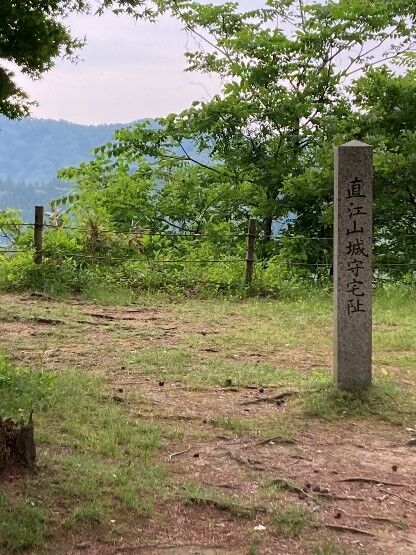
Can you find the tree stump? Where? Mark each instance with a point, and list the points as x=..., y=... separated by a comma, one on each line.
x=17, y=444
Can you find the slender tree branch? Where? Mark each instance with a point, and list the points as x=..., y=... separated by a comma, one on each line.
x=213, y=201
x=181, y=228
x=372, y=64
x=6, y=235
x=210, y=43
x=302, y=14
x=157, y=218
x=362, y=54
x=197, y=162
x=205, y=166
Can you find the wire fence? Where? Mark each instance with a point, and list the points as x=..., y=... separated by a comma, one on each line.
x=179, y=261
x=184, y=233
x=250, y=260
x=110, y=258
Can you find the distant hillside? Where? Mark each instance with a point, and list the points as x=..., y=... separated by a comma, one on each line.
x=33, y=150
x=25, y=195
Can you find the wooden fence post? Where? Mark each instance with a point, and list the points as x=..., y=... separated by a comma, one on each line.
x=38, y=233
x=250, y=253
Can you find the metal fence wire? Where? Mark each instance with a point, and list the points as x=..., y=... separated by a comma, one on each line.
x=250, y=260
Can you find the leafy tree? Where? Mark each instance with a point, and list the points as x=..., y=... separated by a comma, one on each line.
x=286, y=69
x=299, y=77
x=385, y=117
x=155, y=196
x=33, y=34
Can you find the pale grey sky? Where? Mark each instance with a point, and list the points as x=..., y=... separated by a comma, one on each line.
x=128, y=70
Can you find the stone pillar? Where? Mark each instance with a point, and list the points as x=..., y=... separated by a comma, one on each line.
x=353, y=238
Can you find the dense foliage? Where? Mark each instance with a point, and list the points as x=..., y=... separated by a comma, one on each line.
x=298, y=79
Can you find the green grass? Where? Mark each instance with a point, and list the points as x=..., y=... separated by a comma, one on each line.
x=291, y=519
x=384, y=399
x=277, y=485
x=22, y=525
x=96, y=457
x=90, y=513
x=261, y=427
x=329, y=546
x=197, y=370
x=304, y=324
x=318, y=397
x=93, y=457
x=108, y=295
x=255, y=325
x=255, y=545
x=233, y=424
x=208, y=497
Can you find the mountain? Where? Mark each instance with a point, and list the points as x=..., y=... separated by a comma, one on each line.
x=33, y=150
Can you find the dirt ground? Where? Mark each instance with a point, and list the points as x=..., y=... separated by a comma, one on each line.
x=357, y=477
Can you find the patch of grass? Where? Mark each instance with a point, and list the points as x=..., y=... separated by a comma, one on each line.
x=384, y=399
x=233, y=424
x=278, y=485
x=258, y=324
x=329, y=547
x=291, y=519
x=108, y=295
x=255, y=545
x=261, y=427
x=21, y=390
x=94, y=458
x=197, y=495
x=85, y=514
x=179, y=364
x=94, y=480
x=21, y=525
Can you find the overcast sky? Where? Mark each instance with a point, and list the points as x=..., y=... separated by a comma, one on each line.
x=128, y=70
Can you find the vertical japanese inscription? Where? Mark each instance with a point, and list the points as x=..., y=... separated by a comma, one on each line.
x=353, y=202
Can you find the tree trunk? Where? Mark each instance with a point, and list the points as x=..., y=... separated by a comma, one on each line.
x=17, y=444
x=267, y=228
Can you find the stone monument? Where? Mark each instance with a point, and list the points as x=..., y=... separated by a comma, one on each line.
x=353, y=238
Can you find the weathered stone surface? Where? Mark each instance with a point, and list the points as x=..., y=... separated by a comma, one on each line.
x=353, y=238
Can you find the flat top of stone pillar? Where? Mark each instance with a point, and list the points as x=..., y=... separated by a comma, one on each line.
x=355, y=143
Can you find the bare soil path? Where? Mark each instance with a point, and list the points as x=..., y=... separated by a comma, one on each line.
x=209, y=374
